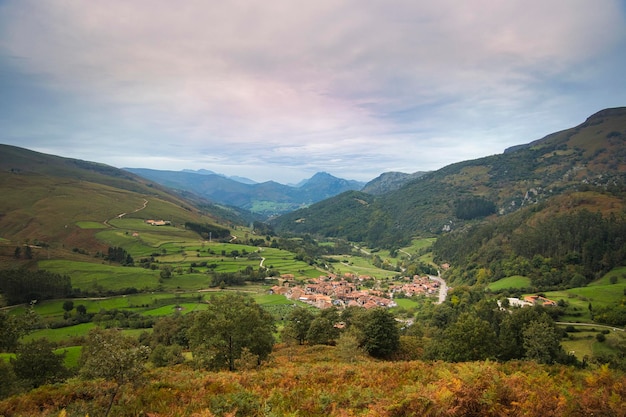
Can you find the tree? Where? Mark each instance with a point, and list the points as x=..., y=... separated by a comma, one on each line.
x=348, y=347
x=230, y=323
x=322, y=332
x=36, y=364
x=171, y=331
x=541, y=341
x=163, y=355
x=8, y=381
x=298, y=323
x=511, y=338
x=469, y=338
x=380, y=336
x=23, y=286
x=68, y=305
x=81, y=309
x=10, y=330
x=110, y=355
x=166, y=272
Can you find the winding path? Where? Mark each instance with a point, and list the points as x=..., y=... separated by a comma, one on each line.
x=119, y=216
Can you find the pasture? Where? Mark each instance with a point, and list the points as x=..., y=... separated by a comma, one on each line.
x=516, y=282
x=584, y=343
x=600, y=292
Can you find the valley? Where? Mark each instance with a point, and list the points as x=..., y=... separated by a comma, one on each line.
x=411, y=285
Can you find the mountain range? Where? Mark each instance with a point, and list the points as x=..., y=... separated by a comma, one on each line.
x=265, y=199
x=46, y=197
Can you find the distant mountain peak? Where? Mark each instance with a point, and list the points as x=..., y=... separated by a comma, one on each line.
x=390, y=181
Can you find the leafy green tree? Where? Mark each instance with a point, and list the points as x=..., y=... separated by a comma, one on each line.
x=322, y=331
x=380, y=336
x=511, y=338
x=68, y=305
x=171, y=330
x=166, y=272
x=81, y=309
x=469, y=338
x=110, y=355
x=36, y=364
x=541, y=341
x=10, y=331
x=348, y=347
x=166, y=355
x=298, y=322
x=230, y=323
x=8, y=380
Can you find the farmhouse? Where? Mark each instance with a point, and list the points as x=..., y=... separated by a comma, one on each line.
x=159, y=222
x=539, y=300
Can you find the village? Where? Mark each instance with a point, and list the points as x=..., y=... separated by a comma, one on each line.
x=343, y=291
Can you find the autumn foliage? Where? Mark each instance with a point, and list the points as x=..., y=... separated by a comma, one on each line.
x=312, y=381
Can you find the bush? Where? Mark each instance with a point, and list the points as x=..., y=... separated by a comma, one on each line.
x=36, y=364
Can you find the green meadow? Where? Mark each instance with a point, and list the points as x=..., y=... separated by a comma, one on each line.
x=62, y=334
x=407, y=303
x=90, y=275
x=584, y=343
x=516, y=281
x=600, y=292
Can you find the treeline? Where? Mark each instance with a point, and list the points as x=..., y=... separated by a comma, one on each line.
x=208, y=231
x=469, y=327
x=566, y=250
x=119, y=255
x=23, y=286
x=223, y=279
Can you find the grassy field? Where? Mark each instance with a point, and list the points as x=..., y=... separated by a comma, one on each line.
x=599, y=293
x=418, y=250
x=62, y=334
x=516, y=281
x=72, y=353
x=406, y=303
x=150, y=305
x=90, y=275
x=91, y=225
x=584, y=343
x=359, y=265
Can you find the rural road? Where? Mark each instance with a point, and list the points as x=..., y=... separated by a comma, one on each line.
x=443, y=287
x=566, y=323
x=119, y=216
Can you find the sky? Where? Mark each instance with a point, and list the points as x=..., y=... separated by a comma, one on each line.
x=282, y=89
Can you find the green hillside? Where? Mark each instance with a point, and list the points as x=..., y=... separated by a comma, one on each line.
x=588, y=159
x=59, y=205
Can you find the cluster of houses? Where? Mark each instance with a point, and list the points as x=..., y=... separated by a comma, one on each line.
x=530, y=300
x=418, y=286
x=342, y=292
x=538, y=299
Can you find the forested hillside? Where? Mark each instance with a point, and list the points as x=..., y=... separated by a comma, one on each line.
x=563, y=249
x=588, y=159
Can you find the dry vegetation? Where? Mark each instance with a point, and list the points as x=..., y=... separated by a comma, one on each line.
x=312, y=381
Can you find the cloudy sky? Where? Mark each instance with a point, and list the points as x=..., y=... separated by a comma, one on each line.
x=281, y=89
